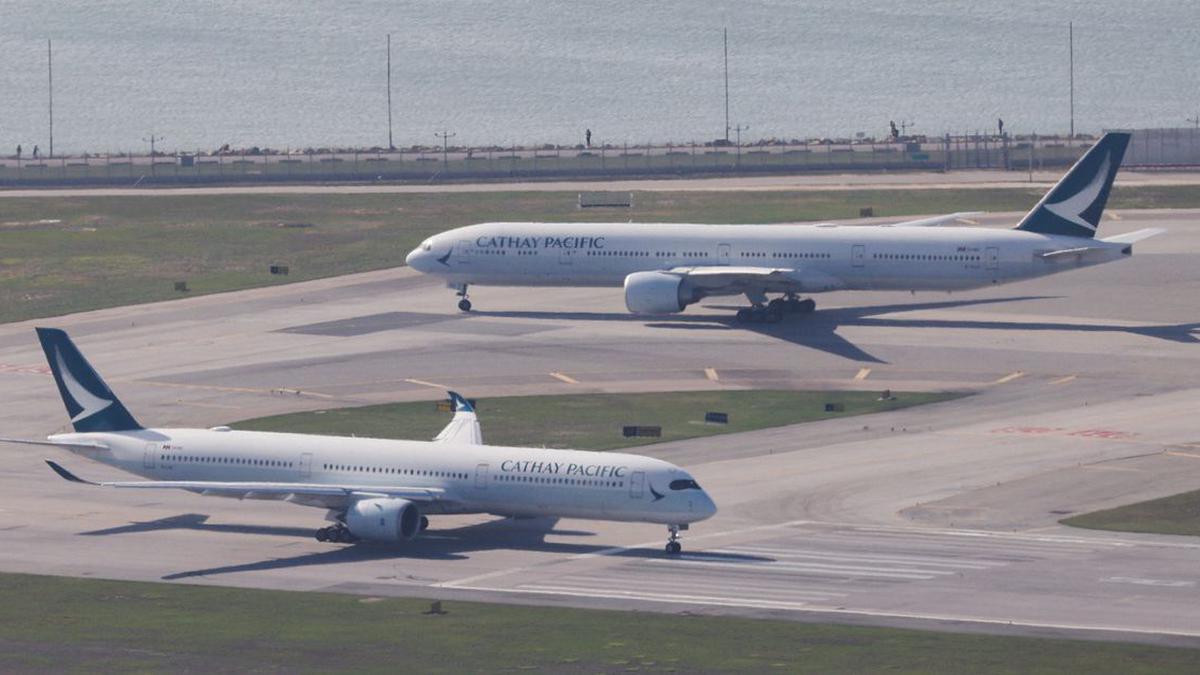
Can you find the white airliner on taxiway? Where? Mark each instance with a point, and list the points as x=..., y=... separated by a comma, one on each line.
x=666, y=267
x=374, y=489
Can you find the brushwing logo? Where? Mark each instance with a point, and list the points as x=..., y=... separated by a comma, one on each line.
x=1071, y=209
x=445, y=260
x=657, y=495
x=85, y=399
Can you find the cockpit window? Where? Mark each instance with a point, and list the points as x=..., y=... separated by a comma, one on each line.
x=684, y=484
x=427, y=245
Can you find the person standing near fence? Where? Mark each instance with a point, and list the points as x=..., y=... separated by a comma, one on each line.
x=587, y=137
x=18, y=151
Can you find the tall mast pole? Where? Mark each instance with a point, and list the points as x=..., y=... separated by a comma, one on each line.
x=1071, y=48
x=726, y=84
x=391, y=146
x=50, y=89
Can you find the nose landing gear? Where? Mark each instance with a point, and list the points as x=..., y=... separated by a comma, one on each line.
x=673, y=546
x=465, y=303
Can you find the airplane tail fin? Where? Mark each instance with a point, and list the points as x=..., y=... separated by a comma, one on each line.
x=90, y=403
x=1073, y=206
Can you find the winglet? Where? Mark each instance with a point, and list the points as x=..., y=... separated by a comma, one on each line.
x=459, y=403
x=58, y=469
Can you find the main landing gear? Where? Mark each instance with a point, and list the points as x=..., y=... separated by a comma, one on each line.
x=336, y=533
x=673, y=546
x=773, y=311
x=465, y=303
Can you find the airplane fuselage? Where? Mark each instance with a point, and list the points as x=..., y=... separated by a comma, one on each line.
x=508, y=481
x=822, y=257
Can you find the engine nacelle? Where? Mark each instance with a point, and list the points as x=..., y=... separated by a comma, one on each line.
x=656, y=293
x=384, y=519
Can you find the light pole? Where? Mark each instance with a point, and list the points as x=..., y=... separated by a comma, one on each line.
x=1195, y=120
x=151, y=140
x=391, y=146
x=739, y=129
x=445, y=136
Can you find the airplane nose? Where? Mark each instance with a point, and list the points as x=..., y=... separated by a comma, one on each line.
x=708, y=507
x=412, y=256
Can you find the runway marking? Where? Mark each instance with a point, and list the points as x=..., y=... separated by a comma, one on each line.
x=1010, y=377
x=564, y=378
x=1098, y=467
x=1113, y=214
x=27, y=370
x=883, y=559
x=806, y=607
x=612, y=550
x=236, y=390
x=862, y=374
x=423, y=383
x=711, y=373
x=806, y=568
x=1149, y=582
x=1177, y=453
x=1064, y=380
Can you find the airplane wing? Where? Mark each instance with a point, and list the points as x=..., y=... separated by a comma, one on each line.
x=730, y=280
x=464, y=427
x=938, y=220
x=329, y=495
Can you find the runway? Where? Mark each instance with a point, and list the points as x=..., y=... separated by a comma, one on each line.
x=1083, y=397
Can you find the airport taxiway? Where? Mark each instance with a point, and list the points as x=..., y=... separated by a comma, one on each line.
x=1084, y=397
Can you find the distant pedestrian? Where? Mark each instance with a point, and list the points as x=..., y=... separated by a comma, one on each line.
x=1000, y=123
x=35, y=152
x=895, y=131
x=18, y=151
x=587, y=137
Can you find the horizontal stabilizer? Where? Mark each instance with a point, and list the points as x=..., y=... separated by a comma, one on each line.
x=72, y=446
x=1135, y=236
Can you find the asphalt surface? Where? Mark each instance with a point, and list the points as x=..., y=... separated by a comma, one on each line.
x=1083, y=395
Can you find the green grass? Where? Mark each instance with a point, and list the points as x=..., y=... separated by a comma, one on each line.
x=60, y=255
x=1177, y=514
x=594, y=421
x=50, y=624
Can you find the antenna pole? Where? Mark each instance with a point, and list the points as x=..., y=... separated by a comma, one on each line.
x=50, y=88
x=391, y=146
x=1071, y=49
x=726, y=41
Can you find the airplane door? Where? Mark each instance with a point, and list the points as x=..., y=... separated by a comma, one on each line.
x=723, y=254
x=858, y=255
x=462, y=252
x=148, y=459
x=992, y=257
x=306, y=466
x=637, y=482
x=481, y=475
x=566, y=257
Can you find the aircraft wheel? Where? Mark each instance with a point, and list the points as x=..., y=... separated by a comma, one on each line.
x=464, y=305
x=323, y=534
x=745, y=315
x=424, y=523
x=674, y=548
x=772, y=315
x=806, y=306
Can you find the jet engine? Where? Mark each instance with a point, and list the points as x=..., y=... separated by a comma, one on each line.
x=656, y=293
x=384, y=519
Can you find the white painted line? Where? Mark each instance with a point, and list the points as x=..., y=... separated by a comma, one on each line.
x=883, y=559
x=862, y=374
x=711, y=373
x=808, y=568
x=659, y=597
x=564, y=378
x=1149, y=582
x=1009, y=377
x=1100, y=467
x=1064, y=380
x=423, y=383
x=1176, y=453
x=803, y=607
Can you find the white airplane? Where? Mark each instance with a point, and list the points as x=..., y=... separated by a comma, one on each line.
x=373, y=489
x=666, y=267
